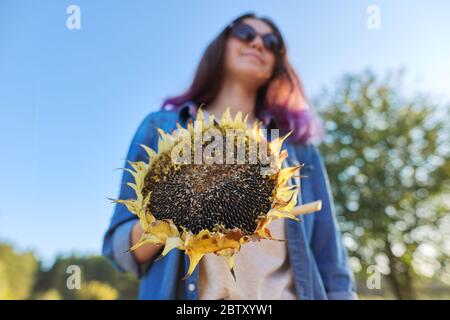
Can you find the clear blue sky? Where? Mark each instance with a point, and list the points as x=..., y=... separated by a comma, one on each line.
x=71, y=100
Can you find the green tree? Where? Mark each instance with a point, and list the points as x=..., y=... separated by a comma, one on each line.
x=51, y=294
x=17, y=273
x=388, y=162
x=96, y=290
x=97, y=275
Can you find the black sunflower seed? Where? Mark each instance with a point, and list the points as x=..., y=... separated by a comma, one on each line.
x=199, y=197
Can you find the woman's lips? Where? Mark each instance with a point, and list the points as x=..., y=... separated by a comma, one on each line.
x=254, y=55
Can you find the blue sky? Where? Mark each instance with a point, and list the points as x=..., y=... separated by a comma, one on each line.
x=71, y=100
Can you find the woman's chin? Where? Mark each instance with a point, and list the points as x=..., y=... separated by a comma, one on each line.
x=253, y=73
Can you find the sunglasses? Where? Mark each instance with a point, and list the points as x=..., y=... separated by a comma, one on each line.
x=247, y=33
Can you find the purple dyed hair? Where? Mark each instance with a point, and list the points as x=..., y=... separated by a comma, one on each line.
x=282, y=98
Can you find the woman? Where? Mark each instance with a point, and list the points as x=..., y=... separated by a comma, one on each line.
x=246, y=68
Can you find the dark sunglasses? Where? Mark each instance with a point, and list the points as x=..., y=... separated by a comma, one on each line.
x=247, y=33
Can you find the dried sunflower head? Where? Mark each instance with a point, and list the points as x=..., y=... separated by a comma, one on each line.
x=204, y=195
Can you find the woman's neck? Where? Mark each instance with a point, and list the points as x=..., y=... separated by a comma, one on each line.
x=237, y=97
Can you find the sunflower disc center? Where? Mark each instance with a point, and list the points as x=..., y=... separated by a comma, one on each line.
x=199, y=197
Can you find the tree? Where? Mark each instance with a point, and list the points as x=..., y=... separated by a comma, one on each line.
x=23, y=277
x=17, y=273
x=96, y=290
x=388, y=162
x=51, y=294
x=97, y=275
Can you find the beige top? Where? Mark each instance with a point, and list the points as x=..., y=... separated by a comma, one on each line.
x=262, y=271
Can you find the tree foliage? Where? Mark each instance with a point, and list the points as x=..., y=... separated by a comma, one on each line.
x=388, y=162
x=98, y=276
x=17, y=271
x=22, y=276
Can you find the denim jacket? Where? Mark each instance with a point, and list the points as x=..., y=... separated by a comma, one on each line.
x=316, y=253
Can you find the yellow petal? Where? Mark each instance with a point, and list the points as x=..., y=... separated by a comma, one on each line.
x=285, y=174
x=194, y=259
x=278, y=214
x=225, y=120
x=140, y=167
x=265, y=233
x=131, y=205
x=229, y=255
x=150, y=152
x=211, y=120
x=281, y=157
x=172, y=243
x=147, y=238
x=275, y=145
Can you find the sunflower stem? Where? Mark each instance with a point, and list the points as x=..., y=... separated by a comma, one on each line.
x=307, y=208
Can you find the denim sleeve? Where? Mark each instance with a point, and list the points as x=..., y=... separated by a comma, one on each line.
x=117, y=239
x=328, y=249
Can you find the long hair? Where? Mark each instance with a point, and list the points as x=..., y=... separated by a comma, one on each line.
x=281, y=98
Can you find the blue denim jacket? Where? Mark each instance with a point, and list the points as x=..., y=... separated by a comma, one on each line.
x=316, y=253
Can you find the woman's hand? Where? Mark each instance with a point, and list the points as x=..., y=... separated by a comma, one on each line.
x=146, y=252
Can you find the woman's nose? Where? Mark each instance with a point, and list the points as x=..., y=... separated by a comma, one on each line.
x=257, y=43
